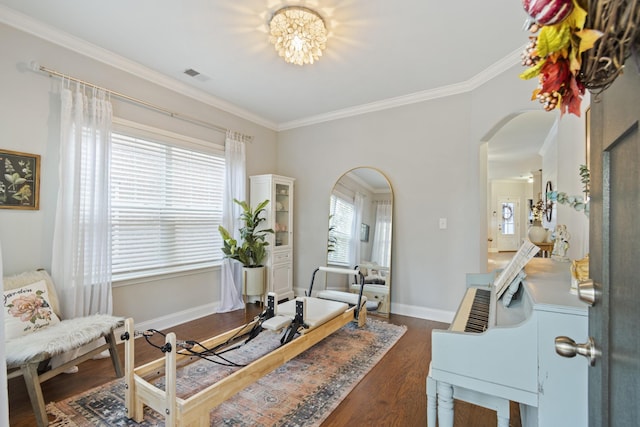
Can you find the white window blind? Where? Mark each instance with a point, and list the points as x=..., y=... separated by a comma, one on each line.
x=166, y=205
x=341, y=211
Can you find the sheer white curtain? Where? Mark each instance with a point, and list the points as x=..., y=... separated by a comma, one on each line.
x=358, y=206
x=235, y=188
x=381, y=249
x=81, y=262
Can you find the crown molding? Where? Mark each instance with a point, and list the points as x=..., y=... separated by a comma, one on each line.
x=427, y=95
x=496, y=68
x=371, y=107
x=37, y=28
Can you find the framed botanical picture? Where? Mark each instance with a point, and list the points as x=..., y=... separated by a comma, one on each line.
x=19, y=180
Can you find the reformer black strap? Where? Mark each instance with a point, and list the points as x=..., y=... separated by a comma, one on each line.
x=296, y=324
x=271, y=307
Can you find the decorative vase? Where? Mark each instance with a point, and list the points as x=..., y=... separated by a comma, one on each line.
x=537, y=233
x=253, y=281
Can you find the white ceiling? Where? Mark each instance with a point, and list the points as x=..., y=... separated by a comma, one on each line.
x=380, y=53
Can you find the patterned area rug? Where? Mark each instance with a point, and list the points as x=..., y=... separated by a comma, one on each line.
x=303, y=392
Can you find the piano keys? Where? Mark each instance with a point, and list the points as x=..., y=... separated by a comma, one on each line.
x=489, y=357
x=473, y=314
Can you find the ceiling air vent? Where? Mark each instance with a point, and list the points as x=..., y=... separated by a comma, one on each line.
x=196, y=75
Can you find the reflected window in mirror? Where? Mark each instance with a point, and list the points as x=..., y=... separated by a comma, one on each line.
x=340, y=229
x=381, y=250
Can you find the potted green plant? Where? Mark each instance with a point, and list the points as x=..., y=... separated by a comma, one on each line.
x=251, y=249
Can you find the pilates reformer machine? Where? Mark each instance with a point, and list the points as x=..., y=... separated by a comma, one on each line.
x=303, y=323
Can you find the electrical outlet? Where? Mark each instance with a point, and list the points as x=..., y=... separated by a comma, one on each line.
x=443, y=223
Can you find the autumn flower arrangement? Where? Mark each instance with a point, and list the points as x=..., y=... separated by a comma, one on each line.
x=554, y=55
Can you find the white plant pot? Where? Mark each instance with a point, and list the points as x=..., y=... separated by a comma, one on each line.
x=253, y=281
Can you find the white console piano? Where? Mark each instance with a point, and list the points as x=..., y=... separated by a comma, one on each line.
x=508, y=353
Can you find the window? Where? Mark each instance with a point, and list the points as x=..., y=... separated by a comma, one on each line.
x=166, y=203
x=341, y=226
x=508, y=219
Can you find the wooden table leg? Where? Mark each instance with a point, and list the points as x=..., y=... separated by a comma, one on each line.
x=31, y=380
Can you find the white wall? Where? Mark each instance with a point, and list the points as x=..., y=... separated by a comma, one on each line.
x=430, y=153
x=406, y=146
x=564, y=157
x=29, y=120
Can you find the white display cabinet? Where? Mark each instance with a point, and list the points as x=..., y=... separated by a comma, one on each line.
x=279, y=217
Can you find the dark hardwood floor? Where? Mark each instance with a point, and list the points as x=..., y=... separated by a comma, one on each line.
x=392, y=394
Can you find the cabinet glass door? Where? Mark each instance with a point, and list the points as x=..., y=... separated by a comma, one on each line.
x=283, y=207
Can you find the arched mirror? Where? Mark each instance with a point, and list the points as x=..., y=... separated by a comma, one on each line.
x=360, y=231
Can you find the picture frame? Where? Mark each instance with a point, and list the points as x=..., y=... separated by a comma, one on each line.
x=364, y=232
x=19, y=180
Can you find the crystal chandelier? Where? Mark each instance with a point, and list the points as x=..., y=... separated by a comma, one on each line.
x=298, y=34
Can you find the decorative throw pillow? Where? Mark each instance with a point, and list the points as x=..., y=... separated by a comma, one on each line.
x=27, y=310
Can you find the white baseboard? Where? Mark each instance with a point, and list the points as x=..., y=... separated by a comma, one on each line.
x=423, y=313
x=412, y=311
x=179, y=317
x=173, y=319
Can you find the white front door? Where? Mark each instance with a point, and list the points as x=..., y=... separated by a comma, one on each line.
x=508, y=232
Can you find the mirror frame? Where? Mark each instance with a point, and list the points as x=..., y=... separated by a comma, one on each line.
x=548, y=203
x=372, y=229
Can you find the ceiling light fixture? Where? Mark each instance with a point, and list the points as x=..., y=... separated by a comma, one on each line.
x=298, y=34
